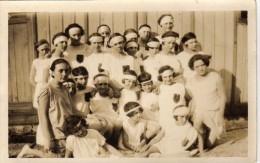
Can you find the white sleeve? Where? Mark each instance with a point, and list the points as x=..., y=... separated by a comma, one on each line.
x=69, y=143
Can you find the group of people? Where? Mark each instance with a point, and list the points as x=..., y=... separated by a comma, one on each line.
x=125, y=95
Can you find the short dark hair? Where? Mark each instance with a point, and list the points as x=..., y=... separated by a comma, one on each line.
x=71, y=123
x=92, y=35
x=164, y=68
x=58, y=61
x=39, y=43
x=187, y=37
x=74, y=25
x=81, y=70
x=114, y=35
x=162, y=16
x=205, y=59
x=144, y=77
x=170, y=34
x=155, y=40
x=58, y=35
x=130, y=30
x=103, y=25
x=144, y=25
x=130, y=105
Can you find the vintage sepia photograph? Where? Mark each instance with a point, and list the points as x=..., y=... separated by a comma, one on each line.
x=128, y=82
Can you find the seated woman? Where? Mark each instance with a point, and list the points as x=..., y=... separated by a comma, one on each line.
x=135, y=138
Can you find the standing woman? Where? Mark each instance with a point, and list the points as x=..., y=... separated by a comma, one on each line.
x=208, y=98
x=75, y=47
x=54, y=105
x=119, y=59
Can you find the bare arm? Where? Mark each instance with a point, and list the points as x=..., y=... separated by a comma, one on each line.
x=44, y=102
x=68, y=153
x=112, y=150
x=32, y=75
x=126, y=141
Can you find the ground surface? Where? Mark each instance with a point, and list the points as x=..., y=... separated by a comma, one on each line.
x=232, y=144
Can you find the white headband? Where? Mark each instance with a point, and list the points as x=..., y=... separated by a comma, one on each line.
x=132, y=110
x=95, y=39
x=171, y=38
x=181, y=111
x=60, y=39
x=84, y=76
x=146, y=81
x=144, y=29
x=101, y=79
x=131, y=77
x=131, y=44
x=166, y=19
x=153, y=44
x=116, y=39
x=131, y=35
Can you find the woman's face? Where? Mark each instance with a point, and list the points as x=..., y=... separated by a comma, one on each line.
x=104, y=31
x=181, y=120
x=102, y=88
x=167, y=77
x=75, y=35
x=136, y=115
x=169, y=44
x=44, y=50
x=154, y=49
x=168, y=26
x=61, y=72
x=118, y=44
x=96, y=45
x=61, y=46
x=200, y=68
x=128, y=84
x=147, y=86
x=191, y=44
x=145, y=33
x=131, y=50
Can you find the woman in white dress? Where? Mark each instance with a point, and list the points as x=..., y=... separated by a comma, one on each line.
x=208, y=98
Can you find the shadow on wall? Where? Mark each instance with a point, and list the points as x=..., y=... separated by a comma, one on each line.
x=234, y=107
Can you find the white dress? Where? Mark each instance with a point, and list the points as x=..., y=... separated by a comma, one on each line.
x=116, y=68
x=86, y=147
x=146, y=101
x=167, y=103
x=102, y=106
x=171, y=143
x=93, y=61
x=151, y=68
x=134, y=132
x=167, y=59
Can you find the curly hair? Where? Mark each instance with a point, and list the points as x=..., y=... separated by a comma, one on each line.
x=74, y=25
x=205, y=59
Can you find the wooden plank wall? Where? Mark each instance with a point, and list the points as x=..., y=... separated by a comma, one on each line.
x=219, y=34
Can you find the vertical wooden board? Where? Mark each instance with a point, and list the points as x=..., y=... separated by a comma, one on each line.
x=219, y=41
x=93, y=21
x=56, y=25
x=152, y=21
x=142, y=19
x=187, y=22
x=107, y=18
x=240, y=65
x=177, y=15
x=43, y=26
x=131, y=21
x=229, y=54
x=20, y=50
x=244, y=97
x=199, y=27
x=209, y=24
x=81, y=19
x=12, y=65
x=119, y=22
x=159, y=29
x=68, y=18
